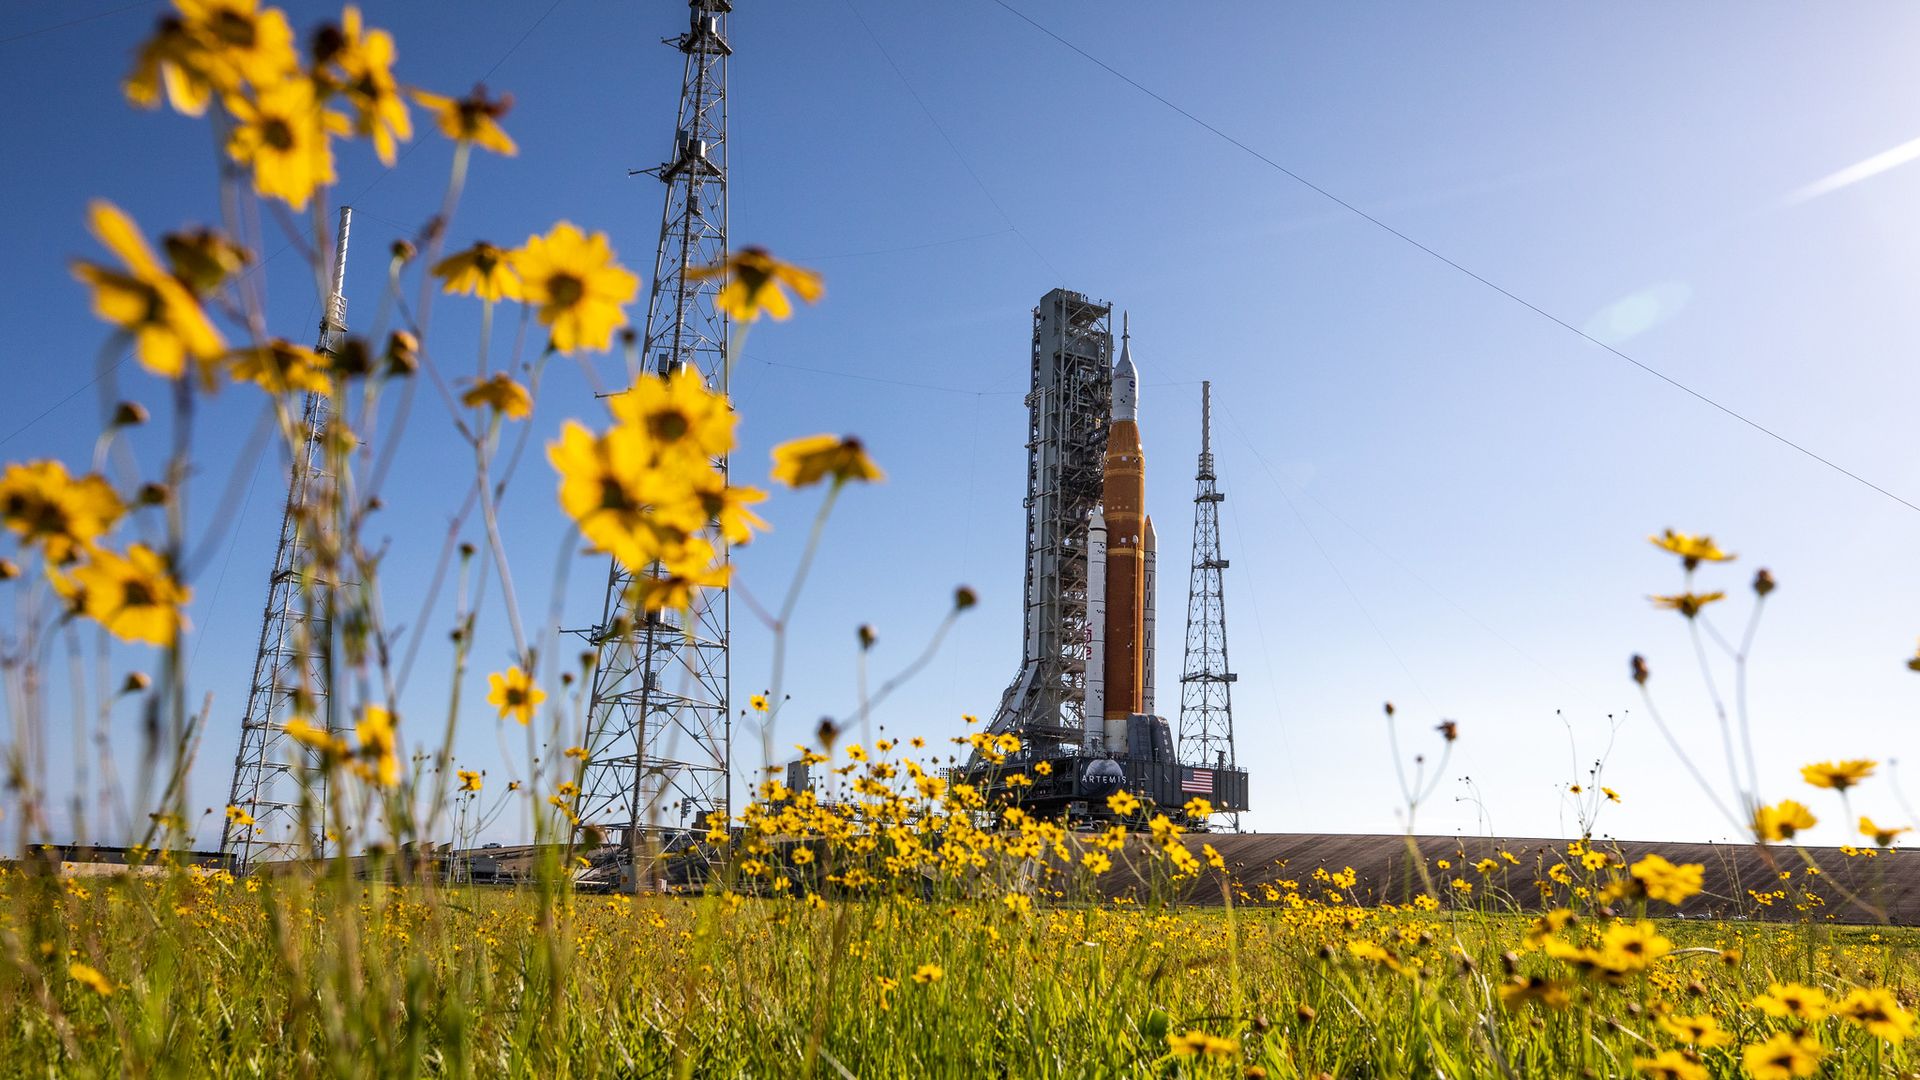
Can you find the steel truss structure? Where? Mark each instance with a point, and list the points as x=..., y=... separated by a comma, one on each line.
x=1206, y=681
x=1067, y=412
x=659, y=727
x=276, y=781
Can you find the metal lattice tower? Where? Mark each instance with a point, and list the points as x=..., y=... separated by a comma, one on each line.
x=1066, y=444
x=291, y=665
x=659, y=729
x=1206, y=682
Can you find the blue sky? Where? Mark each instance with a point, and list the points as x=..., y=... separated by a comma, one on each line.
x=1435, y=496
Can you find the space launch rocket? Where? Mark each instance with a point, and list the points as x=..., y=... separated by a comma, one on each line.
x=1122, y=552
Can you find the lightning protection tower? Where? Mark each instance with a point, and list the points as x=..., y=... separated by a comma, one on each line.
x=659, y=727
x=1206, y=683
x=291, y=666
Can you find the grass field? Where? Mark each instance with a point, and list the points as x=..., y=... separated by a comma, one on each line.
x=905, y=924
x=199, y=975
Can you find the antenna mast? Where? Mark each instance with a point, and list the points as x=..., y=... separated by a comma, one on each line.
x=1206, y=683
x=291, y=664
x=659, y=734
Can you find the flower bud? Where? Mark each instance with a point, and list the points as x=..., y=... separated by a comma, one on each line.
x=129, y=414
x=353, y=358
x=964, y=598
x=1763, y=582
x=403, y=354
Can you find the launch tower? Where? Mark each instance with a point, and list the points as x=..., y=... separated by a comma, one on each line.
x=1066, y=447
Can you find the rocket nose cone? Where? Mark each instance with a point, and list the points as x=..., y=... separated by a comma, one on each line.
x=1126, y=386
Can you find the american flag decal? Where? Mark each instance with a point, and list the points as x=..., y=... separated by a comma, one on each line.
x=1196, y=781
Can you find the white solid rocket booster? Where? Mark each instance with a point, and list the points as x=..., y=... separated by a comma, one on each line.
x=1150, y=549
x=1096, y=700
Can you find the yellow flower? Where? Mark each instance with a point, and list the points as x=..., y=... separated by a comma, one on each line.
x=1782, y=821
x=1838, y=775
x=502, y=394
x=281, y=367
x=1197, y=1043
x=514, y=694
x=1688, y=604
x=1123, y=804
x=1373, y=952
x=90, y=977
x=1692, y=549
x=472, y=119
x=1213, y=857
x=1018, y=903
x=801, y=856
x=482, y=270
x=929, y=973
x=1783, y=1057
x=167, y=323
x=608, y=488
x=1667, y=882
x=1882, y=835
x=1671, y=1065
x=282, y=131
x=682, y=420
x=135, y=597
x=806, y=461
x=1521, y=990
x=1612, y=795
x=1096, y=862
x=1547, y=925
x=682, y=574
x=1809, y=1003
x=577, y=286
x=1702, y=1031
x=1876, y=1010
x=41, y=502
x=306, y=734
x=469, y=780
x=1198, y=807
x=1632, y=946
x=211, y=46
x=365, y=61
x=758, y=702
x=379, y=747
x=239, y=816
x=753, y=284
x=203, y=259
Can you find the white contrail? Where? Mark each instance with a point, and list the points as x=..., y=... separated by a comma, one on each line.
x=1881, y=162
